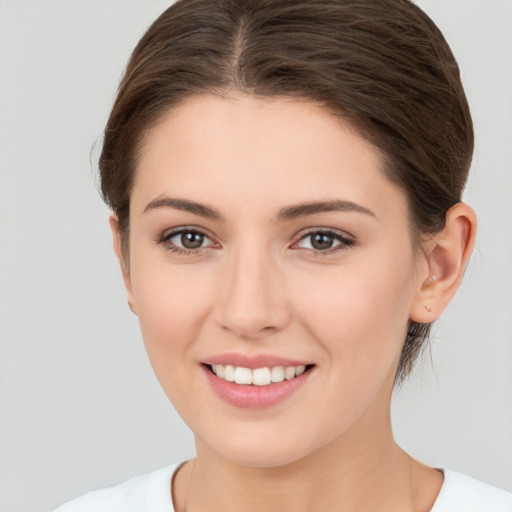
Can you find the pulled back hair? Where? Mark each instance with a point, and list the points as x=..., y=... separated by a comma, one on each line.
x=382, y=65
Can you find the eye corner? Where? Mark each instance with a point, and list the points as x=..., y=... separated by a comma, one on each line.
x=345, y=241
x=165, y=240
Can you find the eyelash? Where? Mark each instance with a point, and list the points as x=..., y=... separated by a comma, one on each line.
x=345, y=242
x=165, y=238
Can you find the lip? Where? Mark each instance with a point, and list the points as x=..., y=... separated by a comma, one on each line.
x=255, y=397
x=253, y=362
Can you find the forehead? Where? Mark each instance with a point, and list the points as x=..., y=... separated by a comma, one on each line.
x=214, y=147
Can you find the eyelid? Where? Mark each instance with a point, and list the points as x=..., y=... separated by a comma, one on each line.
x=346, y=240
x=167, y=235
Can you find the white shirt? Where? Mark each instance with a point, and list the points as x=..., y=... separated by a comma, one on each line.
x=152, y=493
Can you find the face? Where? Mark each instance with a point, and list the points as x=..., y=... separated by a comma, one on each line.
x=264, y=236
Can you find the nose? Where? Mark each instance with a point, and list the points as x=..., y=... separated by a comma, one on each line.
x=252, y=302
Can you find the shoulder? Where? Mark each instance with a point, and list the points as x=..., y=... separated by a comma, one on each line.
x=461, y=492
x=145, y=492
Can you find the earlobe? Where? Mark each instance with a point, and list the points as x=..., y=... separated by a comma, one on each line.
x=121, y=257
x=446, y=257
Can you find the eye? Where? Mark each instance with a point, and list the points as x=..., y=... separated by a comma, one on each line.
x=186, y=240
x=325, y=241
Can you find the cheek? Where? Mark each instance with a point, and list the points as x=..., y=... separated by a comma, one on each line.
x=359, y=313
x=171, y=304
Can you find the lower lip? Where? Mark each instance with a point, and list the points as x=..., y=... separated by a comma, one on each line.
x=254, y=397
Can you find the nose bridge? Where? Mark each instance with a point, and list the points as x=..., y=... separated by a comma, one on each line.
x=252, y=302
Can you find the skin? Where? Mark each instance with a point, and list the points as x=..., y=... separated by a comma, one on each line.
x=257, y=286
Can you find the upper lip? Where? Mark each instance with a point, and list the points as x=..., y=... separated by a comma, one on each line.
x=253, y=361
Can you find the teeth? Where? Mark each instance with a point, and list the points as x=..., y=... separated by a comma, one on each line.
x=257, y=377
x=277, y=374
x=243, y=375
x=218, y=369
x=261, y=377
x=289, y=372
x=229, y=373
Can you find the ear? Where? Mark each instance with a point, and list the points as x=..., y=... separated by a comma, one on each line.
x=121, y=257
x=445, y=258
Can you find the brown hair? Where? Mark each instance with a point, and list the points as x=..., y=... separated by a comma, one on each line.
x=381, y=64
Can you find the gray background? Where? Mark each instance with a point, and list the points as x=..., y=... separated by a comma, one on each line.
x=80, y=407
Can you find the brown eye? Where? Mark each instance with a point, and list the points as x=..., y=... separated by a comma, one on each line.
x=191, y=240
x=324, y=241
x=186, y=241
x=321, y=241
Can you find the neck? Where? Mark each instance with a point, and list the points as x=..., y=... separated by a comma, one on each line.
x=355, y=475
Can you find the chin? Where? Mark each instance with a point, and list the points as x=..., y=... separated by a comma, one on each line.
x=263, y=449
x=248, y=456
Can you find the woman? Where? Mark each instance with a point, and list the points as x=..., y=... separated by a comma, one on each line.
x=285, y=179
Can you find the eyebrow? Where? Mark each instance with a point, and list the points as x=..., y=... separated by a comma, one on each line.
x=185, y=205
x=285, y=214
x=335, y=205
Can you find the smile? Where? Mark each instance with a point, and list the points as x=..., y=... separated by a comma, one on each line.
x=258, y=376
x=257, y=387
